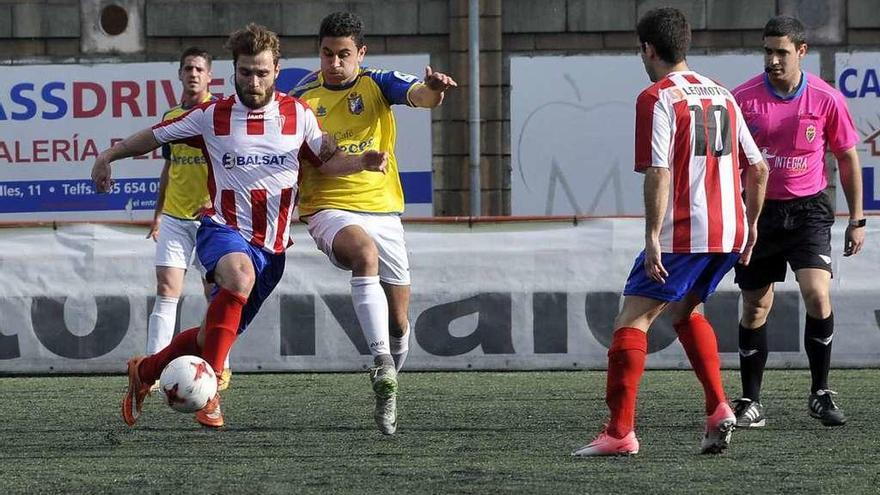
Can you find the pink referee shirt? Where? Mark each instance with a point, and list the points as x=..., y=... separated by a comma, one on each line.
x=794, y=132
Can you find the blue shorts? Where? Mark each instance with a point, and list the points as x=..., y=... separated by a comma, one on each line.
x=699, y=273
x=213, y=241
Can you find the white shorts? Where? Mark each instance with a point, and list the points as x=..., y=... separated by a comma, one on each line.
x=176, y=245
x=385, y=229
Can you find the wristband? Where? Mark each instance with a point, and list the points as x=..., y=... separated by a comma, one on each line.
x=858, y=223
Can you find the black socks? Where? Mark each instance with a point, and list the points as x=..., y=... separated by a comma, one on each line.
x=752, y=359
x=817, y=343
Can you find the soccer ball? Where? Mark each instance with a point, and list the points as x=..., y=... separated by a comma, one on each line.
x=187, y=384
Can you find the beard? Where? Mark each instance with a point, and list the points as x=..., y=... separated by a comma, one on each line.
x=252, y=100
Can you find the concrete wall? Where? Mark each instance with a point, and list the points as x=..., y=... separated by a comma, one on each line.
x=61, y=30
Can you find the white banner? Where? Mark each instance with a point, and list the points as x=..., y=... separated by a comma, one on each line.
x=572, y=122
x=56, y=118
x=857, y=78
x=494, y=296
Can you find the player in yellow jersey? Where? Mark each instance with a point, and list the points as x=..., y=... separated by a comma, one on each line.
x=355, y=220
x=183, y=190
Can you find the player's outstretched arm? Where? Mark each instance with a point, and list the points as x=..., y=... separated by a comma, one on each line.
x=137, y=144
x=430, y=94
x=756, y=188
x=851, y=181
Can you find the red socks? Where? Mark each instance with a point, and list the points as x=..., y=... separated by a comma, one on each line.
x=221, y=325
x=698, y=339
x=182, y=344
x=626, y=363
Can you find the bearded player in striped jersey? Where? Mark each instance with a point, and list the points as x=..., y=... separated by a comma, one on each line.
x=689, y=133
x=183, y=190
x=255, y=142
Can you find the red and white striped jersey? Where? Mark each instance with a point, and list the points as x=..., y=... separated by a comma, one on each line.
x=691, y=125
x=253, y=161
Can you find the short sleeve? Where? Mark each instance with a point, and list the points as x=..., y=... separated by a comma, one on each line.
x=840, y=131
x=181, y=128
x=394, y=85
x=653, y=133
x=313, y=136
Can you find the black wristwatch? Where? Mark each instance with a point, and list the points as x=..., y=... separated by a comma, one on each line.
x=857, y=223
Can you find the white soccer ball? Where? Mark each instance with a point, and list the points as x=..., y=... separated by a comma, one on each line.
x=187, y=384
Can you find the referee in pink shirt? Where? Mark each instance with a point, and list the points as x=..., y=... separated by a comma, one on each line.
x=795, y=117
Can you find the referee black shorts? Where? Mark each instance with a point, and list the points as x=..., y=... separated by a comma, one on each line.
x=795, y=231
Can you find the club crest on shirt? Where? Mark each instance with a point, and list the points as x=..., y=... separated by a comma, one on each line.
x=321, y=111
x=355, y=103
x=280, y=119
x=810, y=133
x=676, y=95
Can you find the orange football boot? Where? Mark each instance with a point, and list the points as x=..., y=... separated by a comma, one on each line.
x=137, y=391
x=211, y=415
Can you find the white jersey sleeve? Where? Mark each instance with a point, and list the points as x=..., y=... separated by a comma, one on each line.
x=313, y=136
x=661, y=139
x=184, y=127
x=746, y=141
x=653, y=132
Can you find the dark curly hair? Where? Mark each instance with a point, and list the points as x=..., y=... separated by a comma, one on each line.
x=668, y=31
x=343, y=25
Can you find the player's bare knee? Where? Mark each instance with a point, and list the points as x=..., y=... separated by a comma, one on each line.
x=397, y=327
x=642, y=321
x=166, y=289
x=756, y=306
x=680, y=316
x=169, y=281
x=754, y=316
x=242, y=282
x=236, y=277
x=818, y=304
x=365, y=260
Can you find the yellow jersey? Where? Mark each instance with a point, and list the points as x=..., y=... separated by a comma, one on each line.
x=187, y=188
x=359, y=116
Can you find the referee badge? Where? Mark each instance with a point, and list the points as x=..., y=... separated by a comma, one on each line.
x=810, y=133
x=355, y=103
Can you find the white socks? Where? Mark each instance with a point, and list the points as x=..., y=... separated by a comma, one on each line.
x=161, y=325
x=400, y=348
x=371, y=308
x=160, y=328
